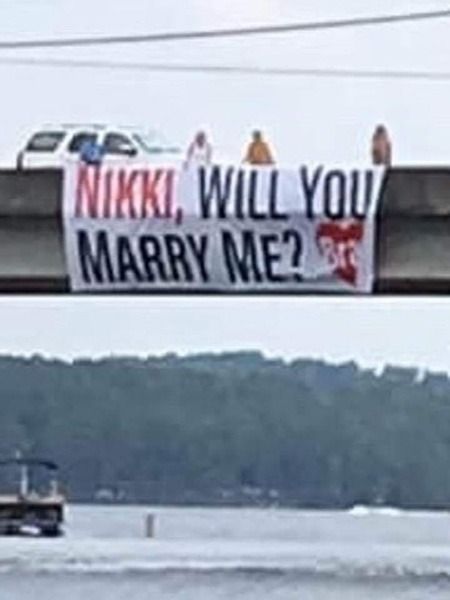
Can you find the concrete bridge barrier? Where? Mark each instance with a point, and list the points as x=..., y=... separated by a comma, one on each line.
x=412, y=246
x=413, y=241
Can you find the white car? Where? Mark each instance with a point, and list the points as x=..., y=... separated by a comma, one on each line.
x=54, y=146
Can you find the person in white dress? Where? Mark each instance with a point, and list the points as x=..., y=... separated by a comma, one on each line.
x=200, y=152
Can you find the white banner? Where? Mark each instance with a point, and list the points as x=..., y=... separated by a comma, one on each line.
x=141, y=228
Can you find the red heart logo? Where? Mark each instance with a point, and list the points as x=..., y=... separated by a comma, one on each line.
x=338, y=242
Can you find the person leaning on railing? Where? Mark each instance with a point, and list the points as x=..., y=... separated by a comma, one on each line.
x=200, y=152
x=381, y=147
x=91, y=153
x=258, y=151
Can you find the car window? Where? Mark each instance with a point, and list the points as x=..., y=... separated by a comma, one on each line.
x=116, y=143
x=79, y=139
x=154, y=143
x=45, y=141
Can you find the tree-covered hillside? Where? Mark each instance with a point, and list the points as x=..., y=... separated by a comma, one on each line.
x=234, y=428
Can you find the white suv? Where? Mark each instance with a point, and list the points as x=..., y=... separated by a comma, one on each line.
x=54, y=146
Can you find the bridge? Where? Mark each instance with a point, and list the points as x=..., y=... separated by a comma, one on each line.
x=412, y=243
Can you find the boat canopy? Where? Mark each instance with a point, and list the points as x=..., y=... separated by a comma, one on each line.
x=30, y=462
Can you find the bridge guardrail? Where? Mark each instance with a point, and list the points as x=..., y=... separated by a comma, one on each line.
x=412, y=246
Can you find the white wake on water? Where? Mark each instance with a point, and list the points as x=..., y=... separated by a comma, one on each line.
x=145, y=557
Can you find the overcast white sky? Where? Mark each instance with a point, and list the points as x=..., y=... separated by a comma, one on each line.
x=307, y=120
x=371, y=331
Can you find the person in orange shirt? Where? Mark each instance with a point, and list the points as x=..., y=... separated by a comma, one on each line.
x=258, y=151
x=381, y=147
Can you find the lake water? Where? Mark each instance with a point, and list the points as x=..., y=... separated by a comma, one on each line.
x=213, y=554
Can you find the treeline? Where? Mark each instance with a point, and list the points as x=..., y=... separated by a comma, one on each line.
x=232, y=429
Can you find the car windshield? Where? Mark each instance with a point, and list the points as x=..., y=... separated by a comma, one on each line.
x=154, y=143
x=45, y=141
